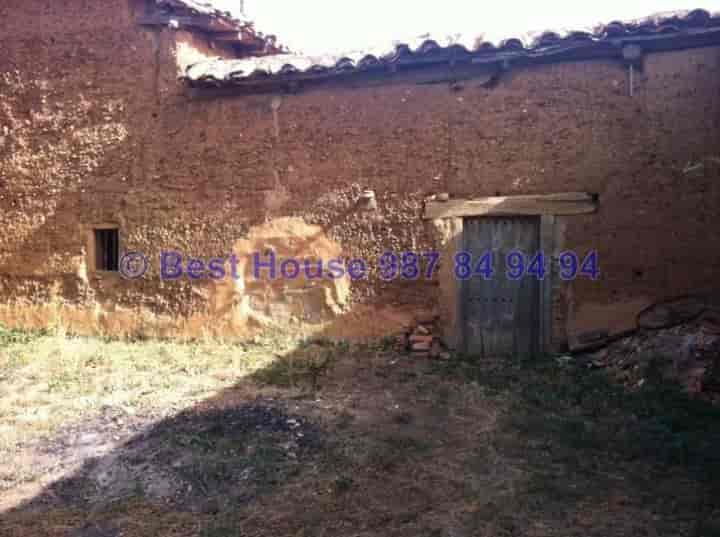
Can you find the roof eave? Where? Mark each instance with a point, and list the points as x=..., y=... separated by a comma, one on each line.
x=584, y=50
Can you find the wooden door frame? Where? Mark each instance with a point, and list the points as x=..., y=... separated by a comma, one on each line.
x=451, y=214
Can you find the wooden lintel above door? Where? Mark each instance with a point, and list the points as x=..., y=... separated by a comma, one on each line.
x=566, y=203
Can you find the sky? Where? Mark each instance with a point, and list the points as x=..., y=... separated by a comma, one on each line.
x=323, y=26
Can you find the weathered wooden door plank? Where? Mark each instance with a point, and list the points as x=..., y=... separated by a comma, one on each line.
x=500, y=316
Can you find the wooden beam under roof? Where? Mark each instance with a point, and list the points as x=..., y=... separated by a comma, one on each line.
x=568, y=203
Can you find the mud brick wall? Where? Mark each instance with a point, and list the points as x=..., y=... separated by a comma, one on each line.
x=95, y=128
x=83, y=94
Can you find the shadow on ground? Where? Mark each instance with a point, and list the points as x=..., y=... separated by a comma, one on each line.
x=362, y=441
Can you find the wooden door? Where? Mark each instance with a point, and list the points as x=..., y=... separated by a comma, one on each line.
x=501, y=316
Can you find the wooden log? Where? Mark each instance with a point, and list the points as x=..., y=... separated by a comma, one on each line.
x=568, y=203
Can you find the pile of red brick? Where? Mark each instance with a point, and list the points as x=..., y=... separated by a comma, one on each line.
x=423, y=340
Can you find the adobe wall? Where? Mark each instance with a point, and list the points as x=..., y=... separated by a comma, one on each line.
x=558, y=128
x=81, y=93
x=97, y=130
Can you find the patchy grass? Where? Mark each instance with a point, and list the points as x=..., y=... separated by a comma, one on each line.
x=8, y=336
x=362, y=441
x=52, y=380
x=306, y=365
x=584, y=440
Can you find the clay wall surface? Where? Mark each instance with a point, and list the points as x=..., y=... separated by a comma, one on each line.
x=96, y=129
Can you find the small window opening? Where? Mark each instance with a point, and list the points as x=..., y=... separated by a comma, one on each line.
x=107, y=249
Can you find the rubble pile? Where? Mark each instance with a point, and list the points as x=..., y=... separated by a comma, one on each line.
x=688, y=354
x=422, y=339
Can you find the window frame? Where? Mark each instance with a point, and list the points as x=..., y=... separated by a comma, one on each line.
x=93, y=246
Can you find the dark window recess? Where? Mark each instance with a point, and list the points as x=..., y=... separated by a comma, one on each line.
x=107, y=249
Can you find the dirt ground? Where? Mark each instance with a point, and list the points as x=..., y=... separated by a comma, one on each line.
x=328, y=439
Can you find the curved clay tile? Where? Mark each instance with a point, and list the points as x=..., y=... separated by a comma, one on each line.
x=486, y=46
x=458, y=50
x=344, y=64
x=579, y=36
x=259, y=74
x=428, y=46
x=424, y=48
x=614, y=29
x=698, y=18
x=236, y=75
x=207, y=78
x=368, y=62
x=199, y=7
x=288, y=69
x=512, y=44
x=401, y=50
x=546, y=39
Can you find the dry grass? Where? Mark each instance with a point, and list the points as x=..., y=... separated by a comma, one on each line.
x=393, y=446
x=49, y=380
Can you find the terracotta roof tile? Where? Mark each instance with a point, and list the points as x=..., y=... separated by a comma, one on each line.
x=203, y=15
x=666, y=31
x=199, y=7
